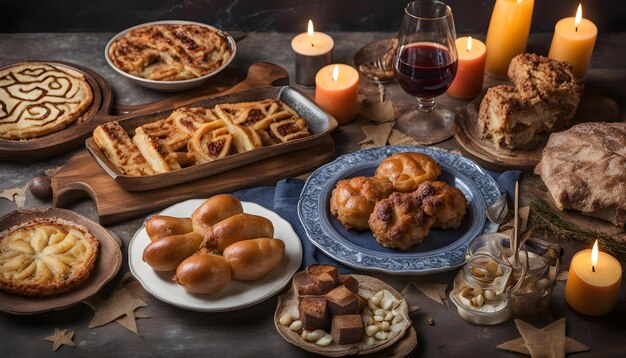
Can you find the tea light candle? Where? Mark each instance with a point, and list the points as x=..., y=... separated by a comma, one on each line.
x=336, y=91
x=470, y=71
x=314, y=50
x=573, y=41
x=593, y=282
x=507, y=34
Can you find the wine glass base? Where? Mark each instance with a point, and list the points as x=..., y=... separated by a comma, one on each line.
x=426, y=127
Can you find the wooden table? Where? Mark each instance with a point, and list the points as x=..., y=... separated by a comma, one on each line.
x=250, y=332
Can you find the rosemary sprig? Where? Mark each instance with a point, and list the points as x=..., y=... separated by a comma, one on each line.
x=544, y=219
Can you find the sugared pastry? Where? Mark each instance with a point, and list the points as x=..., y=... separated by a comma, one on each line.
x=352, y=201
x=40, y=98
x=44, y=257
x=544, y=98
x=211, y=141
x=155, y=153
x=170, y=52
x=446, y=203
x=408, y=170
x=584, y=168
x=400, y=222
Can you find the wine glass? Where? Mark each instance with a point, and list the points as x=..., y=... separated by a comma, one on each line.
x=425, y=65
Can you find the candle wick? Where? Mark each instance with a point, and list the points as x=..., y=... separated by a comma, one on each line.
x=593, y=268
x=576, y=28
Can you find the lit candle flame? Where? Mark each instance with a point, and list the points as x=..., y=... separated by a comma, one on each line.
x=519, y=1
x=594, y=256
x=469, y=44
x=579, y=16
x=335, y=73
x=309, y=30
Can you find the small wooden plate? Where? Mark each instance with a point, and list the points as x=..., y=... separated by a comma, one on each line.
x=107, y=265
x=368, y=286
x=592, y=108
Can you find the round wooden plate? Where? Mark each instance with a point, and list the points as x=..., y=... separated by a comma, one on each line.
x=592, y=108
x=400, y=345
x=107, y=265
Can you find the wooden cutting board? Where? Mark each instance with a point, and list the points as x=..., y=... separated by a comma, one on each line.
x=82, y=176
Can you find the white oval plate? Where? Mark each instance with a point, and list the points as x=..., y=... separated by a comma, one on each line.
x=237, y=294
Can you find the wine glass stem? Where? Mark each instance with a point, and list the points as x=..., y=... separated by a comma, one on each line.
x=425, y=104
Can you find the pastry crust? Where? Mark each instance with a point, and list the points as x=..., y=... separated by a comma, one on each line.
x=44, y=257
x=407, y=171
x=446, y=203
x=40, y=98
x=113, y=140
x=353, y=200
x=584, y=168
x=170, y=52
x=400, y=222
x=544, y=98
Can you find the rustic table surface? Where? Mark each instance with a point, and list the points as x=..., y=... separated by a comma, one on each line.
x=250, y=332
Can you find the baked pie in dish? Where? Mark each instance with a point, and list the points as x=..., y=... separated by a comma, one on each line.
x=170, y=52
x=43, y=257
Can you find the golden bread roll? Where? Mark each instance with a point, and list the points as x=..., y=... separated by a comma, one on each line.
x=238, y=228
x=251, y=259
x=353, y=200
x=168, y=252
x=203, y=273
x=408, y=170
x=214, y=210
x=160, y=226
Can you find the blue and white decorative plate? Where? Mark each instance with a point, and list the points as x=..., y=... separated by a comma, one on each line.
x=442, y=250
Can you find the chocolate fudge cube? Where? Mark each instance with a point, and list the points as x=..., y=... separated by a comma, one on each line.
x=342, y=301
x=316, y=270
x=325, y=282
x=314, y=313
x=350, y=282
x=308, y=288
x=347, y=329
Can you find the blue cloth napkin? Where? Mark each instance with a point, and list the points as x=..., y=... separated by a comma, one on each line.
x=283, y=199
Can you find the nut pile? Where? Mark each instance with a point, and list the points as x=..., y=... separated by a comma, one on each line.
x=318, y=336
x=476, y=297
x=380, y=318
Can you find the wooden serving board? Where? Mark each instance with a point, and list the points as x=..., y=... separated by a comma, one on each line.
x=82, y=176
x=592, y=108
x=260, y=74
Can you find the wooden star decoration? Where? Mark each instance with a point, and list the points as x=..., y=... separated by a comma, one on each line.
x=61, y=337
x=549, y=341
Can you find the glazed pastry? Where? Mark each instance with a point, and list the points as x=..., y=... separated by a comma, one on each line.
x=290, y=129
x=238, y=228
x=257, y=115
x=203, y=273
x=408, y=170
x=252, y=259
x=214, y=210
x=170, y=52
x=400, y=221
x=446, y=203
x=40, y=98
x=190, y=119
x=113, y=140
x=44, y=257
x=584, y=169
x=352, y=201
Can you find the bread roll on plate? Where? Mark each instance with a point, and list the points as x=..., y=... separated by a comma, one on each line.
x=252, y=259
x=203, y=273
x=214, y=210
x=166, y=253
x=160, y=226
x=238, y=228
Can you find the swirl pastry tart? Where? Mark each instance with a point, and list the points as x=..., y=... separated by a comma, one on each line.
x=170, y=52
x=44, y=257
x=40, y=98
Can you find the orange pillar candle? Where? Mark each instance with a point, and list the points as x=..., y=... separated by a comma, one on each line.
x=593, y=282
x=508, y=34
x=470, y=71
x=573, y=41
x=336, y=91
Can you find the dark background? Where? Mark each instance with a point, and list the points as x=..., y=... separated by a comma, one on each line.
x=278, y=15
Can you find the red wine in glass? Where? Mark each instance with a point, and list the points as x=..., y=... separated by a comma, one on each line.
x=425, y=69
